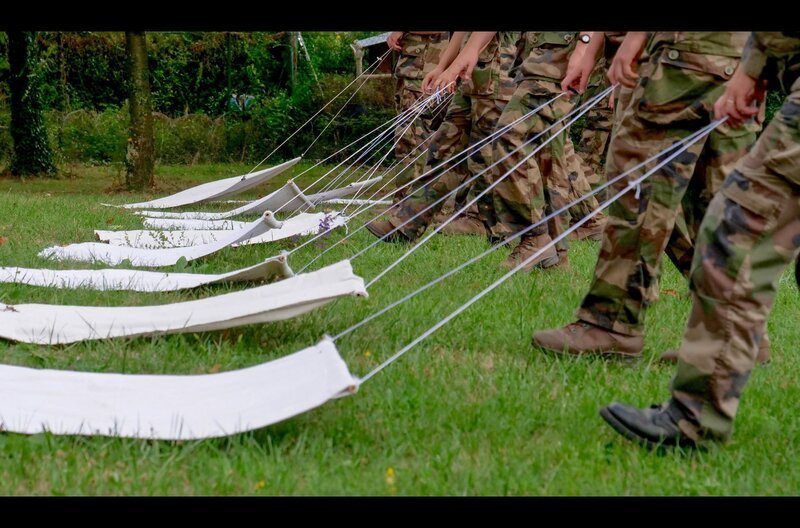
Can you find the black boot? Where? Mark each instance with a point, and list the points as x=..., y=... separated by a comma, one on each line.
x=651, y=427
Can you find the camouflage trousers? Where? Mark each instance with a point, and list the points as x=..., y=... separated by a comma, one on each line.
x=408, y=138
x=542, y=185
x=468, y=120
x=749, y=235
x=665, y=107
x=579, y=175
x=595, y=137
x=680, y=247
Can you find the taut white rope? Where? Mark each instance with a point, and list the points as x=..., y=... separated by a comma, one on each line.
x=583, y=109
x=705, y=130
x=631, y=186
x=460, y=156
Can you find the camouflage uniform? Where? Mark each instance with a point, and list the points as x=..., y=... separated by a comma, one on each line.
x=470, y=118
x=749, y=235
x=420, y=55
x=678, y=85
x=542, y=185
x=600, y=119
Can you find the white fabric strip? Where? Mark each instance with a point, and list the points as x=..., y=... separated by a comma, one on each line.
x=148, y=258
x=301, y=225
x=289, y=193
x=356, y=202
x=162, y=224
x=342, y=192
x=288, y=198
x=214, y=190
x=142, y=281
x=168, y=407
x=55, y=324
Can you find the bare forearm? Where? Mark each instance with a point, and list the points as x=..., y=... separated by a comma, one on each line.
x=452, y=50
x=477, y=41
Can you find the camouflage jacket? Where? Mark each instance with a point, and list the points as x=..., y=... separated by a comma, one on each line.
x=545, y=55
x=686, y=73
x=420, y=55
x=721, y=43
x=714, y=52
x=771, y=55
x=491, y=76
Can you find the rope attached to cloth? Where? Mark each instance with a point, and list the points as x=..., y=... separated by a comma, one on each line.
x=365, y=72
x=696, y=135
x=630, y=186
x=579, y=111
x=461, y=156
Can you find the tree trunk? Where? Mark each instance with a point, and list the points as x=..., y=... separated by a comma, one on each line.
x=32, y=155
x=140, y=158
x=292, y=61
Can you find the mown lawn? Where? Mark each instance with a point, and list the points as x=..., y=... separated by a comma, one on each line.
x=473, y=410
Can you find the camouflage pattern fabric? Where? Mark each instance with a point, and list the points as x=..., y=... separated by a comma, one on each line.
x=420, y=55
x=470, y=118
x=541, y=185
x=673, y=98
x=596, y=132
x=749, y=235
x=579, y=175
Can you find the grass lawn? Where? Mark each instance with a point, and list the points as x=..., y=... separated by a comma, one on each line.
x=473, y=410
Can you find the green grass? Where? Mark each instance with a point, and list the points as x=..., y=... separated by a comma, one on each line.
x=472, y=410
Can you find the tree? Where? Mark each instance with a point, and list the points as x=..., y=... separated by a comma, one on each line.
x=32, y=154
x=140, y=158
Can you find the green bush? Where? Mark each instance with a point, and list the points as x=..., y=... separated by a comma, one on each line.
x=193, y=77
x=89, y=136
x=189, y=139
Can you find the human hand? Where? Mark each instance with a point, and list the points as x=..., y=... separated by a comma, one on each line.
x=393, y=40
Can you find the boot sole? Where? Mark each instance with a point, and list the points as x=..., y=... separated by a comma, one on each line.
x=623, y=429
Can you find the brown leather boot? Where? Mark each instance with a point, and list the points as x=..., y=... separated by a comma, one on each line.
x=671, y=356
x=466, y=225
x=591, y=230
x=381, y=228
x=583, y=339
x=528, y=245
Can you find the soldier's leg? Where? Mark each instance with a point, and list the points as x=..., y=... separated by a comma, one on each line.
x=594, y=141
x=552, y=161
x=449, y=140
x=519, y=197
x=751, y=232
x=726, y=146
x=413, y=138
x=579, y=187
x=480, y=216
x=638, y=230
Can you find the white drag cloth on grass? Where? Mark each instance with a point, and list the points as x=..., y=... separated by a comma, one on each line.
x=168, y=407
x=300, y=225
x=150, y=258
x=214, y=190
x=141, y=281
x=182, y=224
x=46, y=324
x=358, y=201
x=287, y=199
